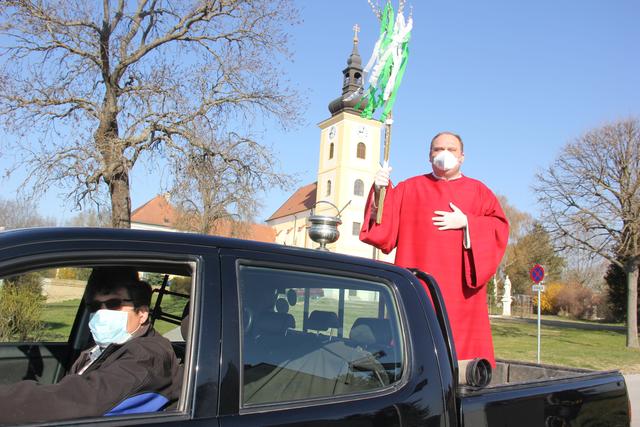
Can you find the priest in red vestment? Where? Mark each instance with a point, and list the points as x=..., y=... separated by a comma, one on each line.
x=451, y=227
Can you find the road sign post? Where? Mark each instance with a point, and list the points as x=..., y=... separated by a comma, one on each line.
x=537, y=274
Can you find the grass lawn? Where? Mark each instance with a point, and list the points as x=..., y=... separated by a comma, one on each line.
x=567, y=346
x=58, y=319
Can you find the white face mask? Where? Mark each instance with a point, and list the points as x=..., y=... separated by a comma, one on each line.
x=445, y=160
x=109, y=327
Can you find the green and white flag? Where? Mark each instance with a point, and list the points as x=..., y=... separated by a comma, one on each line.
x=388, y=62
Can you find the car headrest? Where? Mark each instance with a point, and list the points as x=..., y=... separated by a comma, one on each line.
x=362, y=334
x=320, y=320
x=380, y=329
x=292, y=297
x=282, y=306
x=273, y=323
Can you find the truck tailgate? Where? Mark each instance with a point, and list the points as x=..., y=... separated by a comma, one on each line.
x=596, y=399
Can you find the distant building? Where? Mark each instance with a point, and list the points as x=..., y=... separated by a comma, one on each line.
x=158, y=214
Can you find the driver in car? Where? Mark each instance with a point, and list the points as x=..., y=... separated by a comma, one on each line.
x=130, y=369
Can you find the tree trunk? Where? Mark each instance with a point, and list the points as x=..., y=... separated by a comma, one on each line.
x=120, y=201
x=112, y=150
x=632, y=306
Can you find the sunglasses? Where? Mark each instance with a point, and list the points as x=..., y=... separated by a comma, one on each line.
x=110, y=304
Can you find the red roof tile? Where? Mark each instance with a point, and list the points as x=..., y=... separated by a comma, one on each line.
x=302, y=200
x=158, y=211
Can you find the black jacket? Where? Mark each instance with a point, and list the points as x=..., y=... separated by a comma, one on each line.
x=143, y=364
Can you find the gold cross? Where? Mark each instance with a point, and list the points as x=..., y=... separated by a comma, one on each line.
x=356, y=29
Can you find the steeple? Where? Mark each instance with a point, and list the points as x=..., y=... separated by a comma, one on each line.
x=352, y=80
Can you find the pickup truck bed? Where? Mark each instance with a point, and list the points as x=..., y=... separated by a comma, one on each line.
x=549, y=395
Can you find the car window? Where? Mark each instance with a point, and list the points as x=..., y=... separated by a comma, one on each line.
x=309, y=335
x=168, y=302
x=41, y=306
x=45, y=336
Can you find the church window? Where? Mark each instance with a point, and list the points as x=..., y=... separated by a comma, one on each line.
x=358, y=188
x=328, y=187
x=331, y=150
x=362, y=150
x=356, y=228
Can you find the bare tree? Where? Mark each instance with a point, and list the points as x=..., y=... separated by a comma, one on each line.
x=91, y=218
x=91, y=88
x=585, y=268
x=220, y=178
x=21, y=214
x=591, y=199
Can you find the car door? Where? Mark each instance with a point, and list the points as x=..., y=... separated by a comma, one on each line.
x=311, y=342
x=58, y=270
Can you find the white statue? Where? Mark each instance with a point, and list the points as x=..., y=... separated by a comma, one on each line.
x=506, y=298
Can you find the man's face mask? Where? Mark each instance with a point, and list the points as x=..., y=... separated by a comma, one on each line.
x=109, y=327
x=445, y=160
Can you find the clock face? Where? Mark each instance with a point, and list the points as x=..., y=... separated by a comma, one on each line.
x=332, y=132
x=362, y=132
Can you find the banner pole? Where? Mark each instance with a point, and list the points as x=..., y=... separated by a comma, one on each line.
x=387, y=146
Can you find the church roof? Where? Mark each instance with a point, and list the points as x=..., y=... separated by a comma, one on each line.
x=302, y=200
x=158, y=211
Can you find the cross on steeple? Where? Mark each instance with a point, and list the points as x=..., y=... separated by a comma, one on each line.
x=356, y=30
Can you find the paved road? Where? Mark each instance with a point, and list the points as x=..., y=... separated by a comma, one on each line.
x=633, y=385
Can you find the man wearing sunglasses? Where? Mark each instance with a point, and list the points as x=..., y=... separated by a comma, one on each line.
x=130, y=369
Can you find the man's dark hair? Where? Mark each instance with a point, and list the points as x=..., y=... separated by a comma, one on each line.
x=104, y=280
x=455, y=135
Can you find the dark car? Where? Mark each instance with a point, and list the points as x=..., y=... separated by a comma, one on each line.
x=368, y=347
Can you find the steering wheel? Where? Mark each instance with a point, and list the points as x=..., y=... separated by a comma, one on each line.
x=247, y=319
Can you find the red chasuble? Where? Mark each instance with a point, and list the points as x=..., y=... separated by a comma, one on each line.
x=461, y=273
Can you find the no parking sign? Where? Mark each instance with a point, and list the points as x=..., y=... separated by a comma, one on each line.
x=537, y=273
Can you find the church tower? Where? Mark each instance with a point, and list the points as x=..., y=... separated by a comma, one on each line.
x=348, y=160
x=349, y=157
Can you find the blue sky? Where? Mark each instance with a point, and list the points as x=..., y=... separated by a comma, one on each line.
x=515, y=79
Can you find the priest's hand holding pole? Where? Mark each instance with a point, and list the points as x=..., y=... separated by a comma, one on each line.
x=380, y=184
x=381, y=179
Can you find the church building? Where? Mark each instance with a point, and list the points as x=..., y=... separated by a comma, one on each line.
x=349, y=157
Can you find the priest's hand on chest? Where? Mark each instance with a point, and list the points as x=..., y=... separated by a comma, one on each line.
x=453, y=220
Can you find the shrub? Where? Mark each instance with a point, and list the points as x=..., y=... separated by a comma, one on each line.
x=21, y=305
x=181, y=284
x=576, y=301
x=154, y=279
x=616, y=280
x=71, y=273
x=549, y=298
